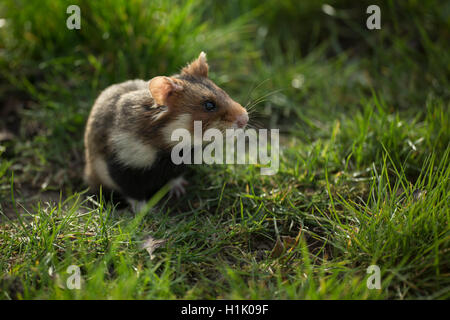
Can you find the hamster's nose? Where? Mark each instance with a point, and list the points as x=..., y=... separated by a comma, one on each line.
x=242, y=120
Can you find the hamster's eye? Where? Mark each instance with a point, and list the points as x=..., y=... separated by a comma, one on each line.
x=209, y=106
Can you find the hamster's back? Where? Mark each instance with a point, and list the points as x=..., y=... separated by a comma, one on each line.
x=100, y=123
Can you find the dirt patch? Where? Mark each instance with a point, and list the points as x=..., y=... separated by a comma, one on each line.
x=26, y=201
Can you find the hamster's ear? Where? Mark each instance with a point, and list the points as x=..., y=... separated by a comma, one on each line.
x=198, y=67
x=162, y=89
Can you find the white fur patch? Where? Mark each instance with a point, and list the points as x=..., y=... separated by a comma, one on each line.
x=202, y=57
x=101, y=169
x=131, y=151
x=183, y=121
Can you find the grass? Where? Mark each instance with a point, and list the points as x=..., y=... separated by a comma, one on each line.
x=364, y=168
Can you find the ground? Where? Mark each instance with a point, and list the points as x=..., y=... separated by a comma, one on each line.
x=364, y=166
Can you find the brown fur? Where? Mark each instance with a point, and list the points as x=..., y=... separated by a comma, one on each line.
x=142, y=109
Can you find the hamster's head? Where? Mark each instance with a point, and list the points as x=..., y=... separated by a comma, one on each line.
x=191, y=96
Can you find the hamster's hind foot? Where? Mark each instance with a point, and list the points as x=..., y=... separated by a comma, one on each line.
x=177, y=187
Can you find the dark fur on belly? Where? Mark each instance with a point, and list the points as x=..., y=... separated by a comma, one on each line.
x=142, y=184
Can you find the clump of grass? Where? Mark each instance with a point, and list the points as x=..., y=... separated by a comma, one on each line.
x=408, y=139
x=403, y=226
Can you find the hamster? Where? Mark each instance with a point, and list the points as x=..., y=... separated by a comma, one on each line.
x=128, y=132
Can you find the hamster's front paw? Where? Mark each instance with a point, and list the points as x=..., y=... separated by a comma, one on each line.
x=136, y=205
x=177, y=187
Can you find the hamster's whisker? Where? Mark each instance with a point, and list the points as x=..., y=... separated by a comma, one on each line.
x=268, y=94
x=261, y=99
x=253, y=106
x=254, y=88
x=256, y=125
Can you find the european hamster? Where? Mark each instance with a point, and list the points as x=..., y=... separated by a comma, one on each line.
x=128, y=132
